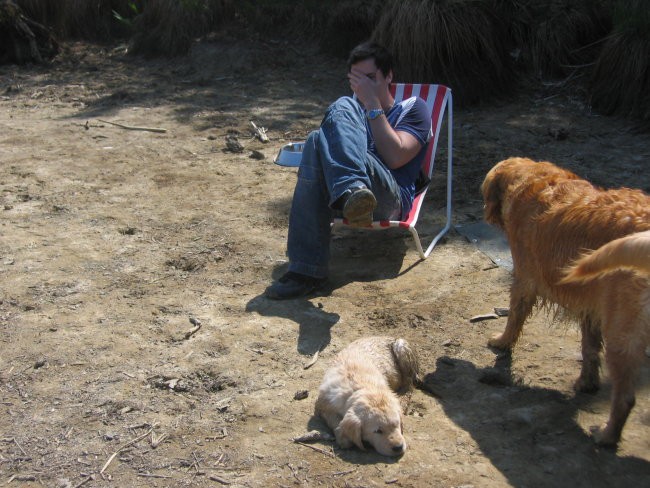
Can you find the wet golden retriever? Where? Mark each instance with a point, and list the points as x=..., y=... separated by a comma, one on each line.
x=551, y=218
x=357, y=398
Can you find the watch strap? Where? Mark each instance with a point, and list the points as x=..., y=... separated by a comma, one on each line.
x=374, y=113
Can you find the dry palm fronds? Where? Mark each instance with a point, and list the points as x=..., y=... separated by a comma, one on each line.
x=459, y=43
x=79, y=18
x=565, y=34
x=620, y=82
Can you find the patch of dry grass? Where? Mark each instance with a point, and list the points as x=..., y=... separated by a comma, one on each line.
x=620, y=82
x=459, y=43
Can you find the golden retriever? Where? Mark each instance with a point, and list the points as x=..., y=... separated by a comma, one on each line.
x=551, y=218
x=357, y=398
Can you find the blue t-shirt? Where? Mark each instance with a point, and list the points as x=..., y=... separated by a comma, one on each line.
x=413, y=116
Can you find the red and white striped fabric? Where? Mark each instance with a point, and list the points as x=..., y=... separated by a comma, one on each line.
x=438, y=98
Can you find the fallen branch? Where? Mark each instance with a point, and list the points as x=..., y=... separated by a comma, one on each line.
x=260, y=132
x=132, y=127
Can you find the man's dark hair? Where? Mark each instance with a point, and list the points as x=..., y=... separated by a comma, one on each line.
x=383, y=58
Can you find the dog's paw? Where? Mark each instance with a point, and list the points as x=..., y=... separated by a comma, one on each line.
x=498, y=341
x=587, y=385
x=603, y=437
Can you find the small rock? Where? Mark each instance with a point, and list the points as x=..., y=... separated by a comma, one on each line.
x=257, y=155
x=233, y=144
x=301, y=395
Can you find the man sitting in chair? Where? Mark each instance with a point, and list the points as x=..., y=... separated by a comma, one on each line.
x=362, y=162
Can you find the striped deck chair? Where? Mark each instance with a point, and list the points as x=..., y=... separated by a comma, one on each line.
x=438, y=99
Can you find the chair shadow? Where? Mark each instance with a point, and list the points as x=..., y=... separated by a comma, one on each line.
x=529, y=434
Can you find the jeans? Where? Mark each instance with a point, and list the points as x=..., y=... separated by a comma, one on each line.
x=335, y=159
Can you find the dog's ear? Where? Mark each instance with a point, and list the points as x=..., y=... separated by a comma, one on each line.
x=348, y=431
x=492, y=198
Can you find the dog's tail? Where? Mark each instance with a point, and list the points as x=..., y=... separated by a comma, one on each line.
x=631, y=252
x=407, y=362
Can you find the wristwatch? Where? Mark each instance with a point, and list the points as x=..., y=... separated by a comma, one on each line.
x=374, y=113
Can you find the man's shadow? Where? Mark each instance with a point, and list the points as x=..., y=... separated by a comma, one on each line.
x=356, y=256
x=530, y=434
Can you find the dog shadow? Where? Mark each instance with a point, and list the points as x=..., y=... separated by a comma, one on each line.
x=529, y=434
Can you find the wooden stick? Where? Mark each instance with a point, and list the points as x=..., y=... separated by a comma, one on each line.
x=314, y=357
x=318, y=449
x=132, y=127
x=219, y=479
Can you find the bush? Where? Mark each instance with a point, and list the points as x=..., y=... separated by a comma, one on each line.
x=620, y=81
x=81, y=19
x=460, y=43
x=168, y=27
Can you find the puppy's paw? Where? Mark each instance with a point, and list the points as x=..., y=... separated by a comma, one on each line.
x=500, y=342
x=603, y=436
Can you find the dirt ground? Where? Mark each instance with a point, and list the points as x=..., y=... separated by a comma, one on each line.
x=116, y=244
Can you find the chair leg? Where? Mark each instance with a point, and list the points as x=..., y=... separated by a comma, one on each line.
x=418, y=245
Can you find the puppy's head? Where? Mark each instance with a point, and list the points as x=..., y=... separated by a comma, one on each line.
x=373, y=417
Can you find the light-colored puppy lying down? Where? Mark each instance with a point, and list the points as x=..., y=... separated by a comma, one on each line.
x=357, y=398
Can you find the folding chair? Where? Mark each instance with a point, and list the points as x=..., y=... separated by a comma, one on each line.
x=438, y=98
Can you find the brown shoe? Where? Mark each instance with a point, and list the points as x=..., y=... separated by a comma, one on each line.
x=358, y=207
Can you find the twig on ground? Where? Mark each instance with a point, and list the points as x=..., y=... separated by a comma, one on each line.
x=312, y=361
x=152, y=475
x=197, y=326
x=131, y=442
x=132, y=127
x=317, y=449
x=342, y=473
x=219, y=479
x=85, y=480
x=19, y=446
x=156, y=441
x=487, y=316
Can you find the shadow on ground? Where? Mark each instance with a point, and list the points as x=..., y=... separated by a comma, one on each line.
x=513, y=423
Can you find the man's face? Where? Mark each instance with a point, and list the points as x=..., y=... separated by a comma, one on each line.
x=369, y=69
